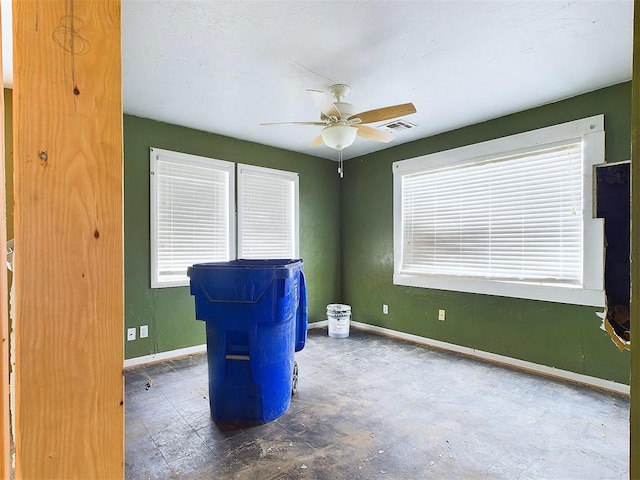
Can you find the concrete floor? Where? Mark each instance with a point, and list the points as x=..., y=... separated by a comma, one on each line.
x=371, y=407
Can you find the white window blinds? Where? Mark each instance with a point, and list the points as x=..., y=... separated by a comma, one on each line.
x=267, y=213
x=512, y=218
x=192, y=216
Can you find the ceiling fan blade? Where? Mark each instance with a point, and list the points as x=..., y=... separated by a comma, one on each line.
x=385, y=113
x=365, y=131
x=317, y=141
x=325, y=105
x=315, y=124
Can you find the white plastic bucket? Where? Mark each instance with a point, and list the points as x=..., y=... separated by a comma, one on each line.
x=339, y=317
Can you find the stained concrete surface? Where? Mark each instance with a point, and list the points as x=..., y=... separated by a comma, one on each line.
x=371, y=407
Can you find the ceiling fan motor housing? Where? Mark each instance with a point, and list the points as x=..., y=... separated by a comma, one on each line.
x=346, y=110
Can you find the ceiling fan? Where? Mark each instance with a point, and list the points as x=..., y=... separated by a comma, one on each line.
x=342, y=124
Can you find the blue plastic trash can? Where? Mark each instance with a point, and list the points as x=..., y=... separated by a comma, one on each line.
x=256, y=318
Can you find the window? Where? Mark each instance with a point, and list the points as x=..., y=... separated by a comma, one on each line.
x=267, y=213
x=192, y=210
x=193, y=207
x=510, y=217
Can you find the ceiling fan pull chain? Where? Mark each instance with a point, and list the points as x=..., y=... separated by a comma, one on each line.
x=340, y=165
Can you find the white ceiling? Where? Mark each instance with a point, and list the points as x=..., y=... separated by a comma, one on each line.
x=226, y=66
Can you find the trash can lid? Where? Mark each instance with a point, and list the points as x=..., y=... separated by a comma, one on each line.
x=253, y=263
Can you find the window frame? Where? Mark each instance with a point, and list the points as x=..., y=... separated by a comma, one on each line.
x=228, y=168
x=591, y=132
x=267, y=173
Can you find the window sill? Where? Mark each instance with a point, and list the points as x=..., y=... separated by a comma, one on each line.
x=183, y=282
x=529, y=291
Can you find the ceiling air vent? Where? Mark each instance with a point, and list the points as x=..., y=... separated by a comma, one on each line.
x=398, y=125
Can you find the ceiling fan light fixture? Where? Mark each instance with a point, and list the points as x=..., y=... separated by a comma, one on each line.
x=339, y=136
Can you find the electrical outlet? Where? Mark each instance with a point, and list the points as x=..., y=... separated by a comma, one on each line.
x=385, y=309
x=131, y=334
x=144, y=331
x=441, y=315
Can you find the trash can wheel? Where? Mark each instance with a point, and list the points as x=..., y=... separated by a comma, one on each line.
x=294, y=379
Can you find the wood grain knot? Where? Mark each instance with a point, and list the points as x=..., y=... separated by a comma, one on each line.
x=96, y=234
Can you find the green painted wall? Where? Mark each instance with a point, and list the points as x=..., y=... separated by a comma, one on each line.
x=562, y=336
x=349, y=254
x=169, y=312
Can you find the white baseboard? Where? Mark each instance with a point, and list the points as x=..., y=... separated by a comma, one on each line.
x=157, y=357
x=321, y=324
x=501, y=359
x=471, y=352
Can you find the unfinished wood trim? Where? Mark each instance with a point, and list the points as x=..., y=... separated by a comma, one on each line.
x=5, y=442
x=634, y=454
x=68, y=239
